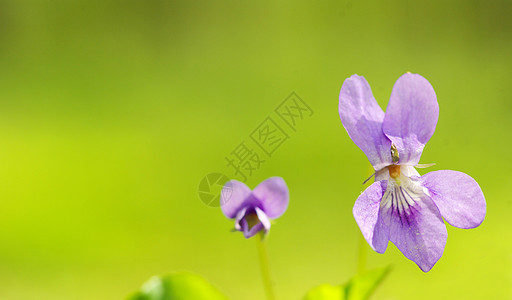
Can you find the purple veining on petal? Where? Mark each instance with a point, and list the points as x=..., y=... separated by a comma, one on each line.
x=401, y=206
x=414, y=225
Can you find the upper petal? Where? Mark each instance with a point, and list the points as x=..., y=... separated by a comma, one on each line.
x=415, y=226
x=366, y=212
x=411, y=116
x=458, y=197
x=233, y=197
x=362, y=117
x=273, y=196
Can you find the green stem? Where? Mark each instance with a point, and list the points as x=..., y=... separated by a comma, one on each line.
x=264, y=265
x=361, y=259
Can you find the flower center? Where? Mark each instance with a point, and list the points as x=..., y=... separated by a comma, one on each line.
x=394, y=171
x=394, y=153
x=252, y=220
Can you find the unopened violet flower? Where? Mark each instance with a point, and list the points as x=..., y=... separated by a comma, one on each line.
x=253, y=210
x=401, y=206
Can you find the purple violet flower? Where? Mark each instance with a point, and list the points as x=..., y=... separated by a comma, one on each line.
x=401, y=206
x=253, y=210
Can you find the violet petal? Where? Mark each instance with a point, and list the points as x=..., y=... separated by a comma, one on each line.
x=250, y=232
x=366, y=211
x=417, y=230
x=239, y=218
x=234, y=194
x=263, y=219
x=273, y=196
x=458, y=197
x=362, y=117
x=411, y=116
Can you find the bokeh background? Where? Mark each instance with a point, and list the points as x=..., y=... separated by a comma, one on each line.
x=111, y=112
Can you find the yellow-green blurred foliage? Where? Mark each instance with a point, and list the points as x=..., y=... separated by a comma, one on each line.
x=112, y=111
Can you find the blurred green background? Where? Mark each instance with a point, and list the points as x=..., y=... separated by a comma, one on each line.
x=111, y=112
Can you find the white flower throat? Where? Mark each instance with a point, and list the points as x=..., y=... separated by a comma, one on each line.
x=403, y=187
x=402, y=190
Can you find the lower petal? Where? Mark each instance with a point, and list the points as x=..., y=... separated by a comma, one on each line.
x=251, y=221
x=415, y=226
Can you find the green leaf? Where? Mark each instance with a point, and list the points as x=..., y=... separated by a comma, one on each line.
x=178, y=286
x=359, y=287
x=362, y=286
x=326, y=292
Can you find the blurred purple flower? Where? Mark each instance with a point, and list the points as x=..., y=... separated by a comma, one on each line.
x=252, y=210
x=401, y=206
